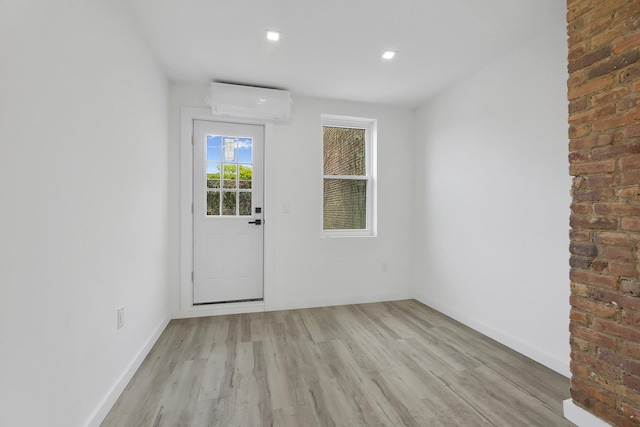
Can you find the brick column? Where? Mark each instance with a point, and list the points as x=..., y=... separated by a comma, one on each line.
x=604, y=156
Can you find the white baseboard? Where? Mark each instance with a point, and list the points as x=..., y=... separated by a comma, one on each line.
x=580, y=417
x=112, y=395
x=560, y=366
x=220, y=309
x=254, y=307
x=328, y=302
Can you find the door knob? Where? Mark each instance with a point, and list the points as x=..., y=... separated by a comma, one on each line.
x=256, y=222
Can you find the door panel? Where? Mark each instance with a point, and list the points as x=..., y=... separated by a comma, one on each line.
x=227, y=204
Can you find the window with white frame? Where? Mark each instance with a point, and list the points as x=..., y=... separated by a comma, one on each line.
x=348, y=176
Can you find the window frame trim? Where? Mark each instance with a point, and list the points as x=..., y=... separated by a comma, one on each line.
x=370, y=127
x=237, y=190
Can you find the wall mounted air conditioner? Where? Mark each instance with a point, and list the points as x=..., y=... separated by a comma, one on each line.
x=249, y=102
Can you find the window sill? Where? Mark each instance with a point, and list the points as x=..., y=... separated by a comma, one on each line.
x=326, y=235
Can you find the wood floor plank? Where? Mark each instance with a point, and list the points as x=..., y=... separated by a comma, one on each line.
x=256, y=326
x=313, y=367
x=296, y=416
x=318, y=409
x=285, y=380
x=513, y=367
x=246, y=384
x=178, y=401
x=410, y=409
x=364, y=398
x=217, y=380
x=397, y=328
x=427, y=315
x=215, y=412
x=437, y=342
x=370, y=354
x=250, y=414
x=340, y=409
x=219, y=373
x=526, y=404
x=415, y=319
x=396, y=363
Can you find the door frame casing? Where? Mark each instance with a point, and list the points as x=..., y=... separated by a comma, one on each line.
x=187, y=309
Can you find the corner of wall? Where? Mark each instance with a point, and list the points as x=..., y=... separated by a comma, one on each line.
x=110, y=398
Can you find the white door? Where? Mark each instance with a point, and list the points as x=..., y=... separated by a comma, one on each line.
x=227, y=212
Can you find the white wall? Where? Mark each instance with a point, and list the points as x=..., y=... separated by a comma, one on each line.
x=308, y=270
x=83, y=223
x=492, y=187
x=90, y=205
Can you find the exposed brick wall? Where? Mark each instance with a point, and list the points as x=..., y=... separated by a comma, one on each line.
x=604, y=156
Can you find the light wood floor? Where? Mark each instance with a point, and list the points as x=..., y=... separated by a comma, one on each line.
x=383, y=364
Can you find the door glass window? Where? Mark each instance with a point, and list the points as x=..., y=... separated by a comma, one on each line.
x=230, y=169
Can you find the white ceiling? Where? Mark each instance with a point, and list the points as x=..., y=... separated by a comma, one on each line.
x=333, y=48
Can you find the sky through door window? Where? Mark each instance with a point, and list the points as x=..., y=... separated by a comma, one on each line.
x=348, y=176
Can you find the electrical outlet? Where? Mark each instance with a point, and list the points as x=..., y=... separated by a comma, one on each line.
x=385, y=267
x=120, y=317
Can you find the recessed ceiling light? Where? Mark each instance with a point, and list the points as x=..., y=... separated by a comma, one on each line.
x=388, y=54
x=274, y=36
